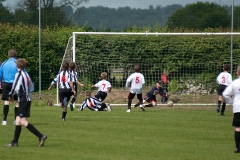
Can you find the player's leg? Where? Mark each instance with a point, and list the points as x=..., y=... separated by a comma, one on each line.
x=152, y=103
x=6, y=88
x=236, y=123
x=220, y=99
x=103, y=107
x=74, y=97
x=223, y=107
x=17, y=132
x=62, y=98
x=103, y=95
x=130, y=98
x=140, y=99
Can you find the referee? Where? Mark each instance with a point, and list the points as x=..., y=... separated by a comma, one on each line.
x=8, y=70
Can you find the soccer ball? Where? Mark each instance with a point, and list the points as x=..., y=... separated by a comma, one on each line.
x=170, y=103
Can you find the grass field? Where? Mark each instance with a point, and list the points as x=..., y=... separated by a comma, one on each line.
x=160, y=133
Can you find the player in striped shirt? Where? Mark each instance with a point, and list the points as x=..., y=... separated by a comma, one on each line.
x=103, y=86
x=136, y=80
x=72, y=67
x=94, y=104
x=223, y=79
x=233, y=90
x=22, y=86
x=65, y=87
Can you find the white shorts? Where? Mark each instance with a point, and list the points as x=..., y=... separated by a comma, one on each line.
x=136, y=91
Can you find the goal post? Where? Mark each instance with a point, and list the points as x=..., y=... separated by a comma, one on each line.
x=193, y=59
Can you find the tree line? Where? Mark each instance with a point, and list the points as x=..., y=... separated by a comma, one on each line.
x=198, y=15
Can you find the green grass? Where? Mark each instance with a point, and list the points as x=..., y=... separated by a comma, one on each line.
x=161, y=133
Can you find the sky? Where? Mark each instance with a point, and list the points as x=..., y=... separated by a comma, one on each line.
x=139, y=3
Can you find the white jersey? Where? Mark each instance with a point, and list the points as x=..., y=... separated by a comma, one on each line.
x=233, y=90
x=103, y=86
x=137, y=81
x=224, y=78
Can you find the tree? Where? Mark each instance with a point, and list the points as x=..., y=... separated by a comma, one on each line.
x=52, y=11
x=236, y=17
x=5, y=15
x=200, y=16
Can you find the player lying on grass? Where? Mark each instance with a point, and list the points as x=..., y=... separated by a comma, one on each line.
x=94, y=104
x=151, y=96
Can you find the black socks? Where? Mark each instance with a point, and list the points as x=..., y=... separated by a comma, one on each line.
x=32, y=129
x=5, y=112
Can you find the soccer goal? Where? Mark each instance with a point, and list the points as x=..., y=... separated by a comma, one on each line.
x=192, y=59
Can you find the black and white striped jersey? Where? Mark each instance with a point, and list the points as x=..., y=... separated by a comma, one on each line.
x=63, y=79
x=92, y=103
x=74, y=75
x=22, y=86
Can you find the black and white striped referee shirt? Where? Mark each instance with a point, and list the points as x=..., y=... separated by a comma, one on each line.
x=92, y=103
x=21, y=86
x=63, y=78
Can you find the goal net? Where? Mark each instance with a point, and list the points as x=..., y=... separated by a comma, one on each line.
x=193, y=60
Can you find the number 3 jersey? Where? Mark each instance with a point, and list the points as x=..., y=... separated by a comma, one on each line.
x=224, y=78
x=137, y=81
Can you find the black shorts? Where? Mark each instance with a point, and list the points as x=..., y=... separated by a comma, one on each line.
x=236, y=119
x=65, y=93
x=103, y=106
x=6, y=88
x=24, y=109
x=101, y=95
x=221, y=89
x=75, y=87
x=150, y=99
x=132, y=95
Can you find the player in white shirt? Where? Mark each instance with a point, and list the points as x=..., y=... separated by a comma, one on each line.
x=136, y=80
x=233, y=90
x=223, y=79
x=103, y=86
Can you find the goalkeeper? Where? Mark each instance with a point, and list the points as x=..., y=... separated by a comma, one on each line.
x=151, y=95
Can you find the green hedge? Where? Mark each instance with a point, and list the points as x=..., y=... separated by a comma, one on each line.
x=153, y=53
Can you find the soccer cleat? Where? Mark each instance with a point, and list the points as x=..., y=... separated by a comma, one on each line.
x=11, y=145
x=143, y=109
x=65, y=104
x=222, y=114
x=237, y=150
x=71, y=106
x=63, y=119
x=42, y=140
x=218, y=109
x=109, y=108
x=132, y=106
x=129, y=110
x=4, y=123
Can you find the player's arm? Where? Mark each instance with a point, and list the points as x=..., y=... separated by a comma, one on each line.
x=218, y=80
x=53, y=82
x=109, y=87
x=12, y=92
x=227, y=94
x=128, y=82
x=97, y=85
x=82, y=106
x=81, y=84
